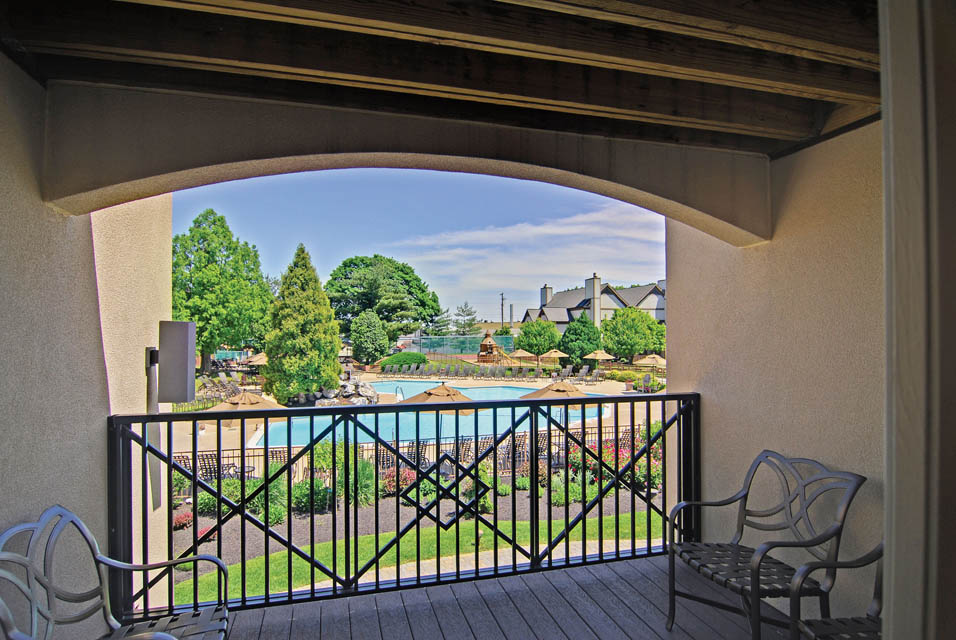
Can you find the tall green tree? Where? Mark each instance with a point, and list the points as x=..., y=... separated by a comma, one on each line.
x=390, y=288
x=631, y=331
x=538, y=337
x=218, y=284
x=303, y=341
x=579, y=339
x=439, y=325
x=369, y=340
x=466, y=320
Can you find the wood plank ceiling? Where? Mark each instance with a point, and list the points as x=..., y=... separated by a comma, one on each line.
x=753, y=75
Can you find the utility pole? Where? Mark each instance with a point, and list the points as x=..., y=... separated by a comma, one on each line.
x=502, y=308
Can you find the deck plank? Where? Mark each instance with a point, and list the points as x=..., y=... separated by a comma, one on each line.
x=504, y=610
x=245, y=625
x=335, y=624
x=392, y=620
x=306, y=620
x=421, y=616
x=600, y=623
x=573, y=625
x=476, y=611
x=363, y=618
x=451, y=619
x=277, y=622
x=531, y=609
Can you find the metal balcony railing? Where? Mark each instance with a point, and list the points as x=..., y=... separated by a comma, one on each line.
x=306, y=504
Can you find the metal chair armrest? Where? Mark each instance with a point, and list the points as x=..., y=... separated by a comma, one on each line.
x=804, y=571
x=151, y=635
x=220, y=567
x=671, y=524
x=765, y=548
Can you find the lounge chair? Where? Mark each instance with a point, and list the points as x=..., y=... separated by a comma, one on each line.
x=41, y=587
x=538, y=373
x=404, y=371
x=595, y=377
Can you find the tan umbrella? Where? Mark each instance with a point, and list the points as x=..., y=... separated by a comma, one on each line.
x=600, y=354
x=554, y=353
x=258, y=360
x=653, y=360
x=520, y=354
x=245, y=401
x=559, y=390
x=442, y=394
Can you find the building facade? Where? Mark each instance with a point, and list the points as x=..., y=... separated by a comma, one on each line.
x=599, y=301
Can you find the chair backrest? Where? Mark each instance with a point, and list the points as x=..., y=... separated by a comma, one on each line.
x=209, y=467
x=32, y=576
x=802, y=482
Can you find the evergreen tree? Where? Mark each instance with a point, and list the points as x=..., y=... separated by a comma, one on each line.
x=369, y=340
x=218, y=284
x=580, y=338
x=439, y=325
x=303, y=340
x=537, y=337
x=466, y=320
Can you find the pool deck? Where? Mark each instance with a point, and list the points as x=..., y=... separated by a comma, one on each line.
x=621, y=599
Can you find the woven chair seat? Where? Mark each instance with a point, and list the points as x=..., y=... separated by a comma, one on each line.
x=865, y=628
x=204, y=624
x=729, y=566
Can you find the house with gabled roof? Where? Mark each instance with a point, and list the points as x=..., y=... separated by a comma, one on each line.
x=599, y=301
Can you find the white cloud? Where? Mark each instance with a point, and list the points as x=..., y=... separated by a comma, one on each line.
x=624, y=244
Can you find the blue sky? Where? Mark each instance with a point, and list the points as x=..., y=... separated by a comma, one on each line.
x=470, y=237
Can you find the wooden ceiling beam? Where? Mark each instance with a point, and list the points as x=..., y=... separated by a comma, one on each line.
x=293, y=52
x=838, y=31
x=245, y=86
x=516, y=30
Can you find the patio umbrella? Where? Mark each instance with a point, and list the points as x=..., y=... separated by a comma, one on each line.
x=245, y=401
x=554, y=353
x=520, y=354
x=653, y=360
x=442, y=394
x=600, y=354
x=559, y=390
x=258, y=360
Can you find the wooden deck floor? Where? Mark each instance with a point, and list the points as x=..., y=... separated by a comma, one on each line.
x=624, y=599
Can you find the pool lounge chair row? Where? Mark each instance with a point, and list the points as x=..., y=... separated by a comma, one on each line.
x=486, y=372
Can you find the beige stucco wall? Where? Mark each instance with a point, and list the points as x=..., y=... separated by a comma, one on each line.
x=81, y=298
x=785, y=341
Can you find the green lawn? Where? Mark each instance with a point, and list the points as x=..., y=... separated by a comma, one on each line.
x=301, y=575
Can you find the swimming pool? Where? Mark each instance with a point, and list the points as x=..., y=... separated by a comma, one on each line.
x=429, y=425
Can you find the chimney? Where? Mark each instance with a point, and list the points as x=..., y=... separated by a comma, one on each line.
x=592, y=291
x=546, y=295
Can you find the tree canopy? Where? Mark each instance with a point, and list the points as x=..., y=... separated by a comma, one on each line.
x=386, y=286
x=631, y=331
x=218, y=284
x=466, y=319
x=580, y=338
x=369, y=340
x=537, y=337
x=503, y=330
x=303, y=341
x=439, y=325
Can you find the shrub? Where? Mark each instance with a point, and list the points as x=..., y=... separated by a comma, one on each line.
x=404, y=358
x=182, y=521
x=522, y=483
x=300, y=496
x=393, y=482
x=573, y=488
x=484, y=475
x=206, y=530
x=181, y=484
x=364, y=474
x=504, y=490
x=524, y=470
x=592, y=467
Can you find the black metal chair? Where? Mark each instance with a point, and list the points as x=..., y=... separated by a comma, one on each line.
x=868, y=627
x=752, y=573
x=32, y=579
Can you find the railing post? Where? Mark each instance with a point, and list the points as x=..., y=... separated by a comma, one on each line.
x=690, y=471
x=119, y=517
x=535, y=488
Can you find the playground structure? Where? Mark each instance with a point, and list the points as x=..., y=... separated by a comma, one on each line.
x=490, y=352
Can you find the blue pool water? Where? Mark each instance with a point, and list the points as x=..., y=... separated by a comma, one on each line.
x=429, y=424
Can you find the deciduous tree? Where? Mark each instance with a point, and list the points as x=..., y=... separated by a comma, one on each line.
x=218, y=284
x=631, y=331
x=580, y=338
x=303, y=341
x=537, y=337
x=369, y=340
